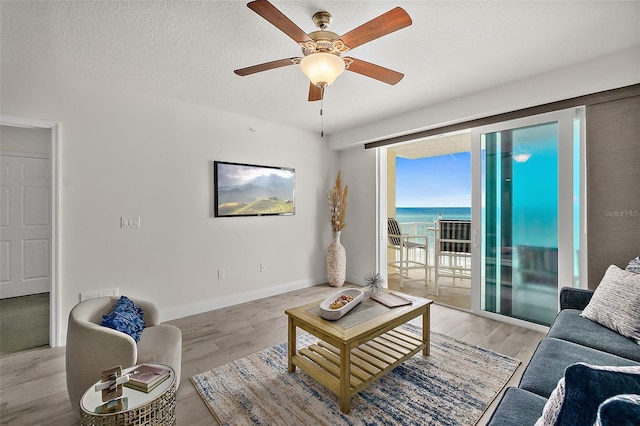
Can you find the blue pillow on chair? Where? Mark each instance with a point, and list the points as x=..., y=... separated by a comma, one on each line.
x=126, y=317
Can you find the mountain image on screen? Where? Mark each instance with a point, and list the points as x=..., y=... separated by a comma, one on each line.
x=262, y=187
x=250, y=190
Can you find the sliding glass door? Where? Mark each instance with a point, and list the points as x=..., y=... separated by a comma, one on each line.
x=526, y=212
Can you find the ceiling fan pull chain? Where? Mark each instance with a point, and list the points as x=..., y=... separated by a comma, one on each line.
x=321, y=117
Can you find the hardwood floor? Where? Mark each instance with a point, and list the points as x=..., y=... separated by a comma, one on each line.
x=33, y=388
x=458, y=296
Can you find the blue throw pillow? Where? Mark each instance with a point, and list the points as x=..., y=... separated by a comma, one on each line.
x=126, y=317
x=621, y=410
x=588, y=386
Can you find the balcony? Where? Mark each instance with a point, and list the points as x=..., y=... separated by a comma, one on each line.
x=454, y=290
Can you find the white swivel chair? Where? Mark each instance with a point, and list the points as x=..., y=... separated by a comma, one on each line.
x=92, y=348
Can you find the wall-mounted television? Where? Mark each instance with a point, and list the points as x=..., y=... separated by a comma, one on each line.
x=252, y=190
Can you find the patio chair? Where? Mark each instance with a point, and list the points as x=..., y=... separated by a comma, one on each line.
x=407, y=253
x=453, y=253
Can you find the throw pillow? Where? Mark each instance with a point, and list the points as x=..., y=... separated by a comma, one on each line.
x=634, y=265
x=620, y=410
x=616, y=303
x=583, y=389
x=126, y=317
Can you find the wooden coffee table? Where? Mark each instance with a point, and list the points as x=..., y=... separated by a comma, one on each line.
x=358, y=348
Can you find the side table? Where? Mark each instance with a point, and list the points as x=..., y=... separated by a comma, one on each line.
x=157, y=407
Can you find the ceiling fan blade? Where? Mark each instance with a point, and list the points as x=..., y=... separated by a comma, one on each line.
x=388, y=22
x=315, y=93
x=277, y=18
x=374, y=71
x=266, y=66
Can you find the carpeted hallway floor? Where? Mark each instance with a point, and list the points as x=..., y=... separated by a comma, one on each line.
x=24, y=323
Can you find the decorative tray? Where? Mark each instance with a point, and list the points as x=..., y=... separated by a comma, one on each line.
x=329, y=313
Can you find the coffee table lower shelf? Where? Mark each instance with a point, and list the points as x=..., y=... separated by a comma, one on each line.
x=368, y=362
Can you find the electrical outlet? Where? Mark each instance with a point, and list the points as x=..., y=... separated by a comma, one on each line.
x=220, y=274
x=115, y=291
x=130, y=222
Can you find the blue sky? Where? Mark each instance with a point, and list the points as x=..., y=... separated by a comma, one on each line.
x=443, y=181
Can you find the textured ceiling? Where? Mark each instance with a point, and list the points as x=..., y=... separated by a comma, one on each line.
x=187, y=50
x=433, y=147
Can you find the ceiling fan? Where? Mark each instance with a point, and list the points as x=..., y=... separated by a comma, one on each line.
x=322, y=62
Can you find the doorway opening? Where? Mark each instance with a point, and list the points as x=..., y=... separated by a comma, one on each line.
x=429, y=184
x=29, y=252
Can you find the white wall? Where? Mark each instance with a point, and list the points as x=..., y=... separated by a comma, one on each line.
x=358, y=171
x=129, y=154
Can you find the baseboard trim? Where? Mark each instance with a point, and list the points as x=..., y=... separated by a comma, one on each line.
x=223, y=302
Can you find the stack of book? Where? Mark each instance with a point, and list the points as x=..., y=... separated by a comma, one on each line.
x=146, y=377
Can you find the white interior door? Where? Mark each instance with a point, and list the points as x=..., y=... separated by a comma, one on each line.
x=25, y=224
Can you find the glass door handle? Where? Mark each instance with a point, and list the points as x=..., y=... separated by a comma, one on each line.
x=476, y=238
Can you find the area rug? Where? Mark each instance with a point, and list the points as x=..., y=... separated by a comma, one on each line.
x=452, y=386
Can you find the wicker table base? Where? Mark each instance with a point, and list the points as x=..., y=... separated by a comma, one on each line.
x=159, y=410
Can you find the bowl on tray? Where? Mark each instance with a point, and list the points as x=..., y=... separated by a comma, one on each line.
x=349, y=298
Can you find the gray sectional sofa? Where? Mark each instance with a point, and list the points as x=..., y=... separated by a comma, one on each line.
x=571, y=339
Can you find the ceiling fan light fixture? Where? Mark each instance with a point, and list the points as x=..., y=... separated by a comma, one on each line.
x=521, y=157
x=322, y=68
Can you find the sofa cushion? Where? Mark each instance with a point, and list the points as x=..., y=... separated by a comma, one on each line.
x=616, y=302
x=588, y=386
x=553, y=356
x=517, y=407
x=126, y=317
x=570, y=326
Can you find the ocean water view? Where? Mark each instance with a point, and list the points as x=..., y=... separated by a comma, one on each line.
x=430, y=214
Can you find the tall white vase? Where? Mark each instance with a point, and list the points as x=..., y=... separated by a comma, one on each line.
x=336, y=261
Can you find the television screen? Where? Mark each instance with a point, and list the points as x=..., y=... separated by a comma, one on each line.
x=252, y=190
